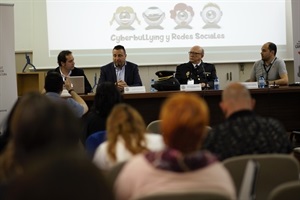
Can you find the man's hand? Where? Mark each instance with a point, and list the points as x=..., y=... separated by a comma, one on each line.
x=121, y=84
x=203, y=85
x=68, y=84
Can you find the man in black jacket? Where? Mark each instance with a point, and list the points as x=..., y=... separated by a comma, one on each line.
x=196, y=71
x=66, y=67
x=121, y=72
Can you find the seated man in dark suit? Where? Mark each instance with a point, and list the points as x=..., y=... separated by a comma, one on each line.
x=121, y=72
x=66, y=67
x=196, y=71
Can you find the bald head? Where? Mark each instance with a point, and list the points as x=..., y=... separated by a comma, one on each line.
x=196, y=54
x=236, y=97
x=197, y=49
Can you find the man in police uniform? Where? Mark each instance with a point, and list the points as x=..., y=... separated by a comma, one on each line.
x=196, y=71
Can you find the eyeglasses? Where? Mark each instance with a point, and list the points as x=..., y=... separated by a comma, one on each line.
x=194, y=53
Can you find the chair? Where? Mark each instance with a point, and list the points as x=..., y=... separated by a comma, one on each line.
x=93, y=141
x=274, y=169
x=114, y=172
x=187, y=196
x=289, y=190
x=154, y=127
x=247, y=191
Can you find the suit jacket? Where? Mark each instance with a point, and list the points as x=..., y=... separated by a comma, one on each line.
x=132, y=77
x=78, y=72
x=205, y=73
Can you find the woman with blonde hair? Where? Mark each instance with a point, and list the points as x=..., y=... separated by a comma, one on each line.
x=126, y=136
x=181, y=167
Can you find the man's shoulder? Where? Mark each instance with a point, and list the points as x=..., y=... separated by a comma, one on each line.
x=52, y=94
x=279, y=59
x=184, y=65
x=108, y=65
x=131, y=64
x=55, y=97
x=258, y=62
x=208, y=64
x=279, y=62
x=77, y=70
x=53, y=70
x=269, y=121
x=265, y=124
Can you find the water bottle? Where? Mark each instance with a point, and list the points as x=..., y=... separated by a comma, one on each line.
x=152, y=89
x=261, y=82
x=216, y=83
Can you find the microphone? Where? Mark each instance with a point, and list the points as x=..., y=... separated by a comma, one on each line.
x=95, y=79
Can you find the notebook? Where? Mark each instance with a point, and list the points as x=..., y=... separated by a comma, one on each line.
x=78, y=84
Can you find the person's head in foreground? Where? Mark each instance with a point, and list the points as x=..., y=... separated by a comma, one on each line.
x=236, y=97
x=185, y=118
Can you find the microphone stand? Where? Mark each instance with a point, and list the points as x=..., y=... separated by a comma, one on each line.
x=28, y=63
x=95, y=82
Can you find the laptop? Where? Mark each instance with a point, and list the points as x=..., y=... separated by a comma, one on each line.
x=78, y=84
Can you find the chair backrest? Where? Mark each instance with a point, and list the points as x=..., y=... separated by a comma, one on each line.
x=114, y=172
x=93, y=141
x=247, y=191
x=274, y=169
x=187, y=196
x=154, y=127
x=289, y=190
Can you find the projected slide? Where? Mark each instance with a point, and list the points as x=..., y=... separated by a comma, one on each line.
x=161, y=32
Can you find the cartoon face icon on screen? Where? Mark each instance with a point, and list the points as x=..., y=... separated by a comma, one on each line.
x=153, y=16
x=124, y=16
x=211, y=14
x=182, y=15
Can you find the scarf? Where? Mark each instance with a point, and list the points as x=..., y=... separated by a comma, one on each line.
x=173, y=160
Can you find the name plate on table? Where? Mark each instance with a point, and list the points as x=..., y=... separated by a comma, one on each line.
x=134, y=89
x=188, y=87
x=250, y=85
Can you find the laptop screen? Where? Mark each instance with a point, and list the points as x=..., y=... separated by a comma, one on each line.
x=78, y=84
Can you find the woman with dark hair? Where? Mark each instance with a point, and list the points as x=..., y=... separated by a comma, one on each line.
x=60, y=176
x=181, y=167
x=106, y=97
x=36, y=124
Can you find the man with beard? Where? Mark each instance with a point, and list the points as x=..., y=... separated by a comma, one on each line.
x=272, y=68
x=121, y=72
x=66, y=68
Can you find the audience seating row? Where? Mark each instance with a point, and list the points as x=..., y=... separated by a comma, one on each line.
x=269, y=177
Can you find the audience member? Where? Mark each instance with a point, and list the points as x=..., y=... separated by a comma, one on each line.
x=36, y=125
x=244, y=132
x=125, y=137
x=5, y=135
x=107, y=95
x=121, y=72
x=181, y=167
x=66, y=67
x=196, y=71
x=272, y=68
x=60, y=176
x=54, y=86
